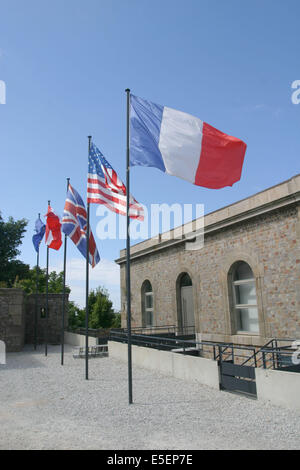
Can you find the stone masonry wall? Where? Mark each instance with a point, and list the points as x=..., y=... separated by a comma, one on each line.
x=12, y=319
x=55, y=302
x=17, y=314
x=269, y=243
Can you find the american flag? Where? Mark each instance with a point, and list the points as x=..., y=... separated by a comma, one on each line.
x=105, y=187
x=74, y=224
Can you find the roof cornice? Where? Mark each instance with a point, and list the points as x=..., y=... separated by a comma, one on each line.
x=224, y=218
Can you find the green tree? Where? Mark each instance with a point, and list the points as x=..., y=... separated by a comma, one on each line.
x=102, y=314
x=76, y=316
x=116, y=321
x=55, y=282
x=11, y=234
x=92, y=300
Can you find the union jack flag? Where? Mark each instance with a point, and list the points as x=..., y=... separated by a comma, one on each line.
x=74, y=224
x=105, y=187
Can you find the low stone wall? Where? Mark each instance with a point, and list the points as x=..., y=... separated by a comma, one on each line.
x=75, y=339
x=281, y=388
x=190, y=368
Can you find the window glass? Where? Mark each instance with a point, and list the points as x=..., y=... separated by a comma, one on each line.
x=245, y=301
x=147, y=287
x=242, y=271
x=147, y=304
x=247, y=319
x=149, y=300
x=149, y=318
x=185, y=280
x=245, y=293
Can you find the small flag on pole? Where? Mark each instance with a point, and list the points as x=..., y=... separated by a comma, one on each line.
x=182, y=145
x=105, y=187
x=40, y=228
x=74, y=224
x=53, y=230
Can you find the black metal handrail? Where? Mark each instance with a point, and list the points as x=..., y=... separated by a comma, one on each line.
x=280, y=358
x=254, y=356
x=221, y=352
x=275, y=353
x=277, y=356
x=149, y=340
x=188, y=330
x=162, y=343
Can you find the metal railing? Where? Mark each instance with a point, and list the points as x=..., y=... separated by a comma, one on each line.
x=234, y=353
x=151, y=341
x=280, y=356
x=170, y=330
x=93, y=351
x=255, y=355
x=275, y=356
x=271, y=355
x=185, y=346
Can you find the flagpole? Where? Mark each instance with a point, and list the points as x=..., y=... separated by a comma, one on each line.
x=36, y=294
x=64, y=294
x=128, y=289
x=87, y=283
x=47, y=306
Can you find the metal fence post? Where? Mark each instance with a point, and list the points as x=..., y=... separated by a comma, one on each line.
x=220, y=354
x=273, y=355
x=254, y=355
x=264, y=359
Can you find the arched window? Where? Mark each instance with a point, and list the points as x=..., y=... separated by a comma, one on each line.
x=185, y=280
x=147, y=304
x=185, y=303
x=244, y=298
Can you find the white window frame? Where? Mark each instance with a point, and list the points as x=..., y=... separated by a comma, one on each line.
x=149, y=310
x=244, y=306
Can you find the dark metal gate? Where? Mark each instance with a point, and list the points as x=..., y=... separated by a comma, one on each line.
x=237, y=378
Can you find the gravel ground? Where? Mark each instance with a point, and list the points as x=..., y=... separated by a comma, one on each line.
x=46, y=406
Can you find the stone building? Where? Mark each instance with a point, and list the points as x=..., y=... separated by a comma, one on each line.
x=17, y=318
x=242, y=286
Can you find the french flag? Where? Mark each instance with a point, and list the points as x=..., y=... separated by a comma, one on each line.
x=182, y=145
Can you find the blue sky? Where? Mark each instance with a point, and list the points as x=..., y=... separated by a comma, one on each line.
x=67, y=63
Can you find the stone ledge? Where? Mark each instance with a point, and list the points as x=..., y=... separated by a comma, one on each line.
x=277, y=197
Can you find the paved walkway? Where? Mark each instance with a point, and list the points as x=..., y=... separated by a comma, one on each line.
x=46, y=406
